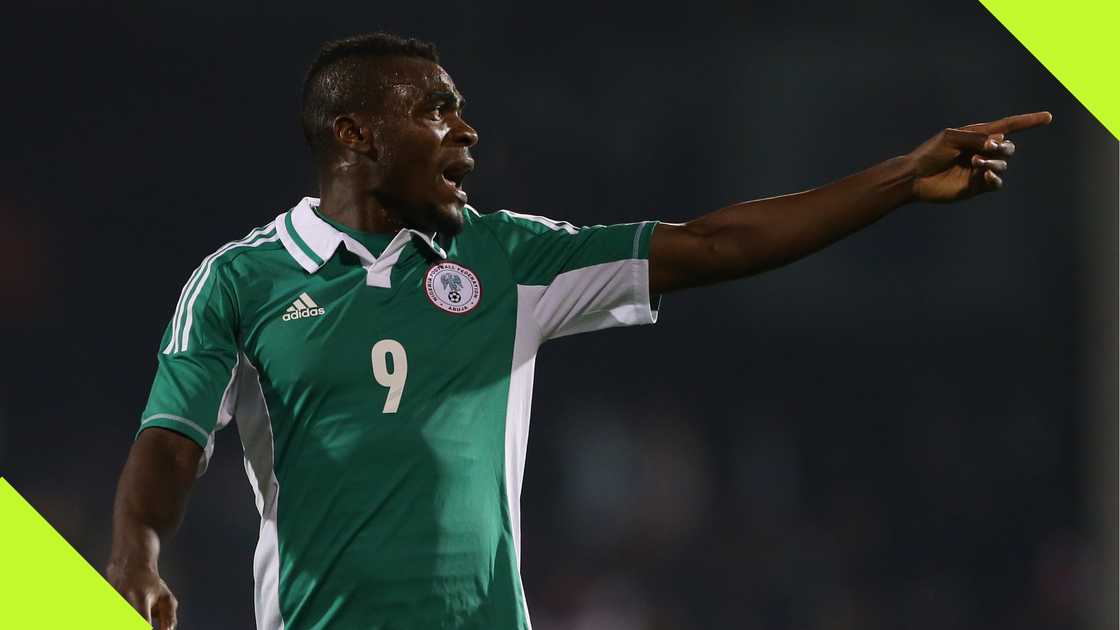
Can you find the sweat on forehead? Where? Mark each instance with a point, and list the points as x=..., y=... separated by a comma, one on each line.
x=419, y=74
x=423, y=90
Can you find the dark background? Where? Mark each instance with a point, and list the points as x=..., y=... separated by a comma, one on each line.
x=914, y=428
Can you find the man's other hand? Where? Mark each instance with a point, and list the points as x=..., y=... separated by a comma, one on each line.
x=147, y=593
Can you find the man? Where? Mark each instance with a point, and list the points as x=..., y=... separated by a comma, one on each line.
x=376, y=346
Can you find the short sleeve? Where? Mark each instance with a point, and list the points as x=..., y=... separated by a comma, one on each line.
x=195, y=387
x=578, y=279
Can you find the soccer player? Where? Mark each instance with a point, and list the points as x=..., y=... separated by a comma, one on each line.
x=376, y=347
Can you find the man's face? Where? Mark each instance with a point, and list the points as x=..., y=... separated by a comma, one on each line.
x=422, y=146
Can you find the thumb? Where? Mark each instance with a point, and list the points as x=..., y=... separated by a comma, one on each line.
x=145, y=605
x=166, y=612
x=973, y=141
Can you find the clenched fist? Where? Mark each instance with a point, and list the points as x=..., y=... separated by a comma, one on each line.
x=146, y=591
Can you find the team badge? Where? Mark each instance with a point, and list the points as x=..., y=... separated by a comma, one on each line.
x=452, y=287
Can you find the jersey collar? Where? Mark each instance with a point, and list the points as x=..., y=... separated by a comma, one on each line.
x=312, y=241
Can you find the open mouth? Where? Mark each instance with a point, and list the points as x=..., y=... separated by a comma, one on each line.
x=454, y=174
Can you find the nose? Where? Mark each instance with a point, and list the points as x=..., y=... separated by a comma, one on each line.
x=464, y=134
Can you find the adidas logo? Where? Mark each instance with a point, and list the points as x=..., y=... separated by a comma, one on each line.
x=304, y=306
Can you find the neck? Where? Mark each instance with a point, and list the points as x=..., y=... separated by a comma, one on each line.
x=355, y=207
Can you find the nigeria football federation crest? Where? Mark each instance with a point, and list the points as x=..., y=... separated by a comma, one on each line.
x=452, y=287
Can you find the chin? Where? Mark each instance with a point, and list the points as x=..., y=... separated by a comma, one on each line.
x=448, y=220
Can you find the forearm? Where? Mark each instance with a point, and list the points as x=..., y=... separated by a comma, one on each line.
x=151, y=497
x=751, y=237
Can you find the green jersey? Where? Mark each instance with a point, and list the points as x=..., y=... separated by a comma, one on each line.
x=381, y=386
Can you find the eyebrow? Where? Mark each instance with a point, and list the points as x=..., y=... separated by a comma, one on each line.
x=445, y=96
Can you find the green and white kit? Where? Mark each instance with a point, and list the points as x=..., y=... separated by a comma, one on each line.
x=383, y=402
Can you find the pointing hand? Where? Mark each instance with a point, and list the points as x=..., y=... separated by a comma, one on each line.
x=959, y=163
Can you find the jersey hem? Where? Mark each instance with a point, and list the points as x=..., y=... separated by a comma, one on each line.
x=179, y=426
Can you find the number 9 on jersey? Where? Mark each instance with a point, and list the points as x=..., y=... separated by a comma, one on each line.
x=393, y=379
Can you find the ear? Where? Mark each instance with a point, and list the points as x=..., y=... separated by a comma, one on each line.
x=353, y=133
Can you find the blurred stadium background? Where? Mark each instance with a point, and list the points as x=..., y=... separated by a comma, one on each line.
x=915, y=428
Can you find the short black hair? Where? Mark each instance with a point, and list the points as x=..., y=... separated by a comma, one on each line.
x=339, y=81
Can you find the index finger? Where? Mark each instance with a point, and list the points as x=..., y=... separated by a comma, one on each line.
x=1013, y=123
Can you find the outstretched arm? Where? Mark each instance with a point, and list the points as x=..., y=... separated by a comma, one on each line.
x=151, y=499
x=751, y=237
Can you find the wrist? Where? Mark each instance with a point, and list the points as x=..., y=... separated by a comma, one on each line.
x=903, y=175
x=137, y=551
x=129, y=561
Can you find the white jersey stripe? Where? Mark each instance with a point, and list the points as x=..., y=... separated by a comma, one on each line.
x=638, y=239
x=169, y=416
x=172, y=345
x=185, y=341
x=254, y=424
x=551, y=224
x=527, y=338
x=178, y=315
x=179, y=309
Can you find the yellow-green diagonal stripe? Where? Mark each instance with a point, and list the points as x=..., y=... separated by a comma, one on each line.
x=44, y=583
x=1078, y=42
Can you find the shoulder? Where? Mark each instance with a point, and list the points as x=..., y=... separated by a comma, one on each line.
x=231, y=257
x=507, y=221
x=259, y=243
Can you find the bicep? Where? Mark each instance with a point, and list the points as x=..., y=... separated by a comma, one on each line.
x=154, y=485
x=169, y=452
x=703, y=251
x=678, y=257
